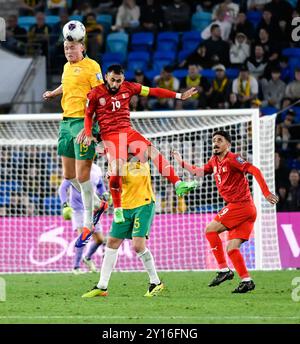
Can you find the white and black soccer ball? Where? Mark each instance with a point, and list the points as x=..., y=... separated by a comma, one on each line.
x=74, y=30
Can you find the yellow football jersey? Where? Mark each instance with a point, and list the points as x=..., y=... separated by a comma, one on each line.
x=136, y=185
x=77, y=80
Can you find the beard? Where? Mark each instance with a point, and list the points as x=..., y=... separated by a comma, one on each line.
x=112, y=90
x=216, y=153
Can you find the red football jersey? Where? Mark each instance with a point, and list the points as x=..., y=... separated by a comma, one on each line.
x=112, y=110
x=230, y=177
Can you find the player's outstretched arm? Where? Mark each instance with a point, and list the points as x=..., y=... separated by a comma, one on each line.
x=195, y=170
x=164, y=93
x=52, y=94
x=270, y=197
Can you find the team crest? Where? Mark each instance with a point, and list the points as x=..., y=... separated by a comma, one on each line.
x=102, y=101
x=77, y=70
x=224, y=169
x=215, y=169
x=240, y=160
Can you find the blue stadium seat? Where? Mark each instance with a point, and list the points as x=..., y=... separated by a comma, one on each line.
x=210, y=74
x=138, y=60
x=293, y=55
x=167, y=41
x=129, y=75
x=9, y=186
x=112, y=58
x=254, y=17
x=183, y=54
x=180, y=73
x=106, y=21
x=162, y=59
x=142, y=41
x=52, y=20
x=117, y=42
x=297, y=111
x=200, y=20
x=268, y=110
x=4, y=199
x=26, y=21
x=151, y=74
x=191, y=40
x=52, y=205
x=232, y=73
x=76, y=17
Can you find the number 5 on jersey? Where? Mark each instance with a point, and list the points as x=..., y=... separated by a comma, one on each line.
x=115, y=105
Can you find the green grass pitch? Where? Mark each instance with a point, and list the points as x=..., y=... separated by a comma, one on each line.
x=56, y=298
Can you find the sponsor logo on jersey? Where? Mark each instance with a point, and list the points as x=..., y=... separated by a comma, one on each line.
x=99, y=76
x=224, y=169
x=240, y=160
x=102, y=101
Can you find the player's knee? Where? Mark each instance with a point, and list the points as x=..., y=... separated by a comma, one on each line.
x=113, y=243
x=138, y=247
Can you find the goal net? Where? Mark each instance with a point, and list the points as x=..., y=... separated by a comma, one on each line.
x=35, y=238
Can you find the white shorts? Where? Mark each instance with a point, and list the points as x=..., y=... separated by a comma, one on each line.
x=77, y=221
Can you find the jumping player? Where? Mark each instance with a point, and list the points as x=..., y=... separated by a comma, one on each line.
x=80, y=75
x=110, y=102
x=239, y=215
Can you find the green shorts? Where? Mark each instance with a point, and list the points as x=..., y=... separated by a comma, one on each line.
x=137, y=223
x=67, y=146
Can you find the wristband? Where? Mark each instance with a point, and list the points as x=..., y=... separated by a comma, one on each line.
x=178, y=96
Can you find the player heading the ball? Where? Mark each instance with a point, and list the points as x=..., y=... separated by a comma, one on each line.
x=110, y=103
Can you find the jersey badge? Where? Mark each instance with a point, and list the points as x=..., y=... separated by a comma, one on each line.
x=99, y=76
x=240, y=160
x=102, y=101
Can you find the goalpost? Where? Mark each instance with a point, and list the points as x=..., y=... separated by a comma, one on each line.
x=35, y=238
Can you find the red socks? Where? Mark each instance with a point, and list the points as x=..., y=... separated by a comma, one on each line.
x=217, y=248
x=115, y=186
x=165, y=168
x=238, y=263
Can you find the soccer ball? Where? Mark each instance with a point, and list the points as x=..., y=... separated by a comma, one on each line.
x=74, y=30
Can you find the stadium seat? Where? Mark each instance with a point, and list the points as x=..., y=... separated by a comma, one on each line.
x=167, y=41
x=162, y=59
x=76, y=17
x=268, y=110
x=129, y=75
x=151, y=74
x=180, y=73
x=232, y=73
x=254, y=17
x=4, y=199
x=200, y=20
x=52, y=205
x=138, y=60
x=142, y=41
x=7, y=186
x=183, y=54
x=26, y=22
x=52, y=20
x=106, y=21
x=112, y=58
x=293, y=55
x=117, y=42
x=191, y=40
x=210, y=74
